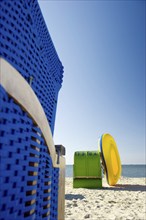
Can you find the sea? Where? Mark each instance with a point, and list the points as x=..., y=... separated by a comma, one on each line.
x=132, y=171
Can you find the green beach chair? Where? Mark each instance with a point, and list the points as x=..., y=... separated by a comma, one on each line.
x=87, y=170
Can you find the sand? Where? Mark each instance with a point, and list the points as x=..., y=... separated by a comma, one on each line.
x=125, y=201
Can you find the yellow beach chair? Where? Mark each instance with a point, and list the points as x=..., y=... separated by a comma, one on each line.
x=110, y=158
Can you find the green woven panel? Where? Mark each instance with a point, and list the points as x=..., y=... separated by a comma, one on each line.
x=93, y=164
x=87, y=170
x=80, y=163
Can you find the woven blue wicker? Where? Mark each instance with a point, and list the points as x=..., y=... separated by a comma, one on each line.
x=29, y=183
x=54, y=194
x=26, y=44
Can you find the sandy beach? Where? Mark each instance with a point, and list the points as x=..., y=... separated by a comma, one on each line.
x=125, y=201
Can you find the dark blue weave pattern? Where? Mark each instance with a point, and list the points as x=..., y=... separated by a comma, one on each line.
x=54, y=194
x=28, y=182
x=27, y=45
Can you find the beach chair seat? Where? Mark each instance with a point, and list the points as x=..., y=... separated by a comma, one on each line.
x=110, y=159
x=87, y=170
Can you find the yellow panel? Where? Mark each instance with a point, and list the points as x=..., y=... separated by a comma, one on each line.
x=114, y=162
x=111, y=158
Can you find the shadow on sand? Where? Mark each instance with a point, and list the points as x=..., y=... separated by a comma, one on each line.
x=73, y=196
x=118, y=187
x=126, y=187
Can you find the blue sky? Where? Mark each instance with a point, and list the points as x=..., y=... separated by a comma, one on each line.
x=101, y=45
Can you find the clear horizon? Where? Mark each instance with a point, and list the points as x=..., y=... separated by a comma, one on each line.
x=101, y=45
x=121, y=164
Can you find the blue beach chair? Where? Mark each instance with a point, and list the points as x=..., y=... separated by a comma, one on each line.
x=32, y=169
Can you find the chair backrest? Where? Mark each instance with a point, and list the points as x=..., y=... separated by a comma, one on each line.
x=87, y=164
x=26, y=44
